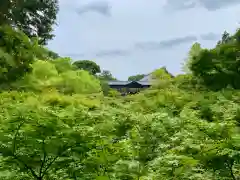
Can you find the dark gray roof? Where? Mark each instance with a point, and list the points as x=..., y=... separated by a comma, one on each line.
x=127, y=82
x=118, y=82
x=144, y=82
x=147, y=77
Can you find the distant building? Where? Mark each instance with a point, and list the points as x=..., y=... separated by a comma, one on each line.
x=147, y=77
x=131, y=87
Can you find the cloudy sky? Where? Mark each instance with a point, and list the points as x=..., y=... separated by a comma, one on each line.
x=129, y=37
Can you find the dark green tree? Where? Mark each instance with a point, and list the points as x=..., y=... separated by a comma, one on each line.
x=17, y=53
x=34, y=18
x=52, y=54
x=106, y=75
x=87, y=65
x=226, y=38
x=219, y=67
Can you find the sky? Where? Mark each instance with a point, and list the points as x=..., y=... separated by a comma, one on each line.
x=129, y=37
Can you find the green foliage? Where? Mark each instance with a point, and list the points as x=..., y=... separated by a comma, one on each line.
x=188, y=82
x=47, y=54
x=106, y=75
x=194, y=51
x=136, y=77
x=34, y=18
x=59, y=76
x=161, y=78
x=56, y=124
x=161, y=74
x=219, y=67
x=105, y=87
x=63, y=64
x=165, y=134
x=17, y=53
x=113, y=93
x=226, y=38
x=87, y=65
x=41, y=146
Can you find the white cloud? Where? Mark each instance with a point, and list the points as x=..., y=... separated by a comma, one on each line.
x=210, y=5
x=101, y=7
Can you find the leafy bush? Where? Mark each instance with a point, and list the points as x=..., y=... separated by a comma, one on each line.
x=48, y=75
x=113, y=93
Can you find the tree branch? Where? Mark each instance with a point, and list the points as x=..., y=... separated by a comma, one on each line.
x=14, y=149
x=65, y=148
x=26, y=166
x=44, y=158
x=230, y=165
x=15, y=137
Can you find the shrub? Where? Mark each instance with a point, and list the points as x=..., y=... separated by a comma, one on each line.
x=45, y=76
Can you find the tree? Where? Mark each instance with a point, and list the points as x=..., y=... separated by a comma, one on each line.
x=17, y=53
x=226, y=38
x=136, y=77
x=162, y=74
x=87, y=65
x=218, y=67
x=60, y=76
x=63, y=64
x=106, y=75
x=39, y=147
x=46, y=54
x=51, y=54
x=194, y=51
x=34, y=18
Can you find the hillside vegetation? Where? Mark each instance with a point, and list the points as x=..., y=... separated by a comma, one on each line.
x=58, y=121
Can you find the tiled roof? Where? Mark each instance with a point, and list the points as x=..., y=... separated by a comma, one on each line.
x=127, y=82
x=118, y=82
x=144, y=82
x=147, y=77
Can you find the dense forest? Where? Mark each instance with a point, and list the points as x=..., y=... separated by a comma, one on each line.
x=60, y=120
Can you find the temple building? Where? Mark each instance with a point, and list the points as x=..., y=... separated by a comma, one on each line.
x=131, y=87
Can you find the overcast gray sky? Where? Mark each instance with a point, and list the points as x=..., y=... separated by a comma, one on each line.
x=129, y=37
